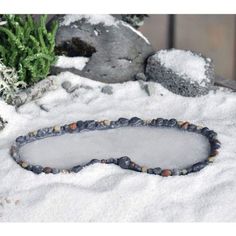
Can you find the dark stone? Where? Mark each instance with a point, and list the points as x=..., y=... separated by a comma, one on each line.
x=80, y=125
x=20, y=139
x=191, y=127
x=204, y=131
x=157, y=171
x=150, y=171
x=211, y=134
x=123, y=121
x=215, y=145
x=124, y=162
x=135, y=121
x=176, y=172
x=90, y=125
x=198, y=166
x=47, y=170
x=76, y=169
x=111, y=161
x=107, y=90
x=55, y=171
x=99, y=41
x=66, y=85
x=159, y=122
x=37, y=169
x=172, y=123
x=94, y=161
x=180, y=84
x=165, y=122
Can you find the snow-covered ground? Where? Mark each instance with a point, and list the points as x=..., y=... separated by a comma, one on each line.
x=106, y=192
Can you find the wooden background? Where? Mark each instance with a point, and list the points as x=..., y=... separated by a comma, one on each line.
x=212, y=35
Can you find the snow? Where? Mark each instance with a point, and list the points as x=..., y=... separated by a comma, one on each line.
x=136, y=31
x=184, y=63
x=93, y=19
x=145, y=146
x=107, y=193
x=72, y=62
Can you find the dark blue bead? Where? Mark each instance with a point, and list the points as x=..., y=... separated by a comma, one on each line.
x=204, y=130
x=135, y=121
x=150, y=171
x=20, y=139
x=90, y=124
x=172, y=123
x=37, y=169
x=215, y=145
x=123, y=121
x=100, y=126
x=93, y=161
x=137, y=168
x=114, y=124
x=40, y=133
x=198, y=166
x=157, y=171
x=189, y=169
x=175, y=172
x=124, y=162
x=80, y=125
x=165, y=123
x=55, y=171
x=111, y=160
x=153, y=122
x=191, y=127
x=76, y=169
x=65, y=128
x=159, y=122
x=211, y=134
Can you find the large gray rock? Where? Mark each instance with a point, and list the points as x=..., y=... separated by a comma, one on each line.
x=183, y=72
x=117, y=51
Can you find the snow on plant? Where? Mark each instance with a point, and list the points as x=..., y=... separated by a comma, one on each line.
x=9, y=83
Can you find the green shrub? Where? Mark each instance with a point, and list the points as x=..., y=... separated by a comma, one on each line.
x=27, y=46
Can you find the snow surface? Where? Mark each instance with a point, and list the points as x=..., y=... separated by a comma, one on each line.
x=146, y=146
x=106, y=192
x=93, y=19
x=184, y=63
x=72, y=62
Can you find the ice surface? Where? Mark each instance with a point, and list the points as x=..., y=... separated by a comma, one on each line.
x=72, y=62
x=94, y=19
x=107, y=193
x=184, y=63
x=151, y=147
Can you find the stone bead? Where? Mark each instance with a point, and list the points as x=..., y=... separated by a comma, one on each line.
x=184, y=172
x=124, y=162
x=198, y=166
x=192, y=127
x=106, y=122
x=33, y=133
x=80, y=125
x=172, y=123
x=47, y=170
x=211, y=159
x=144, y=169
x=157, y=171
x=123, y=121
x=211, y=134
x=94, y=161
x=214, y=153
x=40, y=133
x=176, y=172
x=165, y=123
x=215, y=144
x=90, y=124
x=37, y=169
x=111, y=161
x=166, y=173
x=159, y=122
x=185, y=125
x=55, y=171
x=180, y=123
x=20, y=139
x=64, y=171
x=150, y=171
x=204, y=131
x=135, y=121
x=56, y=129
x=77, y=168
x=72, y=126
x=24, y=164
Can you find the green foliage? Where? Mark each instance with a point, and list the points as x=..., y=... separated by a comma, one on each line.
x=27, y=46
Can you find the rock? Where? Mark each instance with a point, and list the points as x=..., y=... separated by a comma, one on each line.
x=124, y=162
x=107, y=90
x=35, y=91
x=141, y=76
x=2, y=123
x=117, y=51
x=183, y=72
x=66, y=85
x=149, y=88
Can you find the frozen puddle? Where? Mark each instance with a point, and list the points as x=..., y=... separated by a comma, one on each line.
x=151, y=147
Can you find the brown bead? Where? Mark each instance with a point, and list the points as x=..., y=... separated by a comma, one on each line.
x=185, y=125
x=47, y=170
x=214, y=153
x=73, y=126
x=166, y=173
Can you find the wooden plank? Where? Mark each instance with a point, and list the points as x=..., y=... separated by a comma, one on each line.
x=211, y=35
x=155, y=28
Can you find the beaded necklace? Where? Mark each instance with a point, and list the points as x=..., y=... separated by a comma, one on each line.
x=124, y=162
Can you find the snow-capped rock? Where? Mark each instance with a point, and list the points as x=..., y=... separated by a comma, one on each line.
x=116, y=50
x=182, y=72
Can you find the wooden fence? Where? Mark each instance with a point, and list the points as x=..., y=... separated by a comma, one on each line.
x=212, y=35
